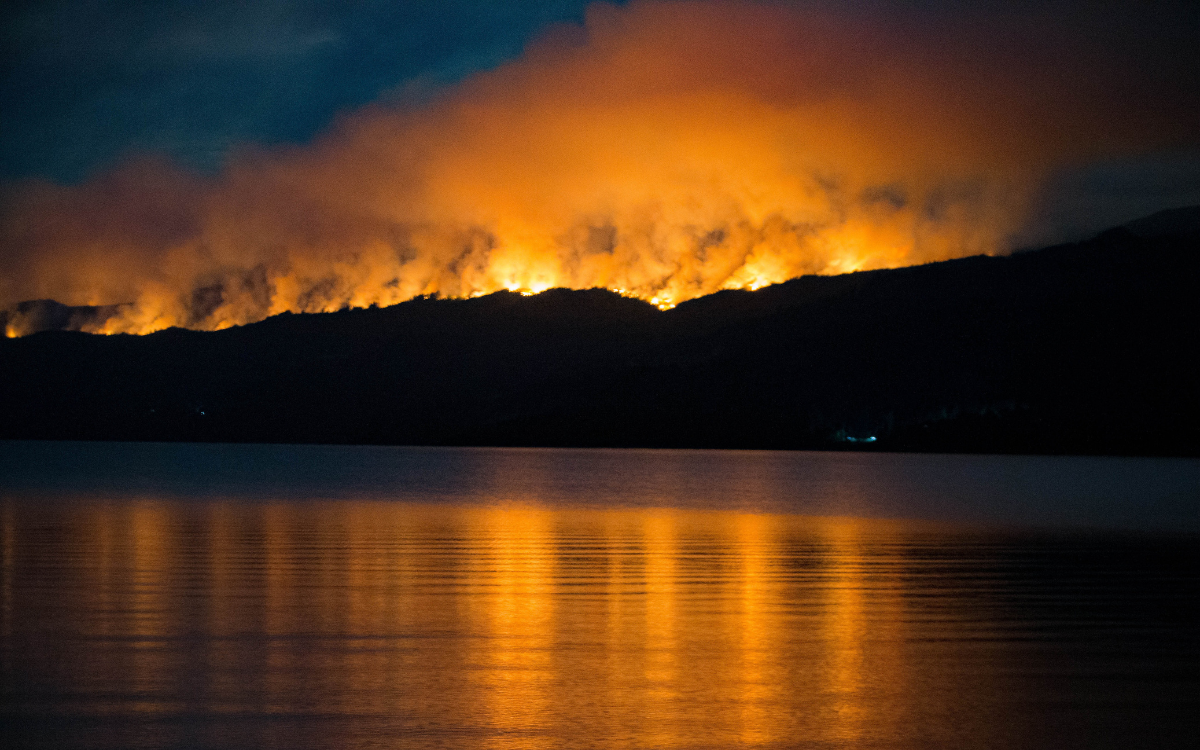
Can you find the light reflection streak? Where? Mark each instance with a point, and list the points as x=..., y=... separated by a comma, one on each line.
x=148, y=591
x=661, y=668
x=845, y=630
x=279, y=592
x=223, y=550
x=516, y=595
x=760, y=630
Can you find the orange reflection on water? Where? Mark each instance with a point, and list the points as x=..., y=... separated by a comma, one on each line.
x=661, y=666
x=845, y=630
x=505, y=626
x=147, y=581
x=761, y=630
x=514, y=603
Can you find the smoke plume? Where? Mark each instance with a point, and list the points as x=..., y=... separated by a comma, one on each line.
x=665, y=150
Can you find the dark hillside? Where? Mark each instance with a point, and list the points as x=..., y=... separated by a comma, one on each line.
x=1082, y=348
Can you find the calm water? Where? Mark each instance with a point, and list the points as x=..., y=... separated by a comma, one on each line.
x=267, y=596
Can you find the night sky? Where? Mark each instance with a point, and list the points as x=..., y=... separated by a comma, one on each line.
x=88, y=83
x=1086, y=111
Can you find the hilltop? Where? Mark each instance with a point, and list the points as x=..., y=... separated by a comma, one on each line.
x=1079, y=348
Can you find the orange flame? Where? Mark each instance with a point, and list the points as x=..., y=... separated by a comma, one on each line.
x=663, y=151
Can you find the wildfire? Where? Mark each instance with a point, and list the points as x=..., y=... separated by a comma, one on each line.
x=665, y=151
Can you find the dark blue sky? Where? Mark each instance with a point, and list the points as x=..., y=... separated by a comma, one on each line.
x=86, y=81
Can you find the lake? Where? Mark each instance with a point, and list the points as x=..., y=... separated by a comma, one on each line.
x=194, y=596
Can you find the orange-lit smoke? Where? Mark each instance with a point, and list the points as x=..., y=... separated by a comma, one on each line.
x=665, y=150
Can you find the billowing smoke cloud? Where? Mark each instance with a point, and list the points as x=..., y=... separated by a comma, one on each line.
x=667, y=150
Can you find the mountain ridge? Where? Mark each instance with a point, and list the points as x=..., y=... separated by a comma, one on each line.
x=1078, y=348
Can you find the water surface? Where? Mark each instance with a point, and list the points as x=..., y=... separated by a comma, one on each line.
x=268, y=596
